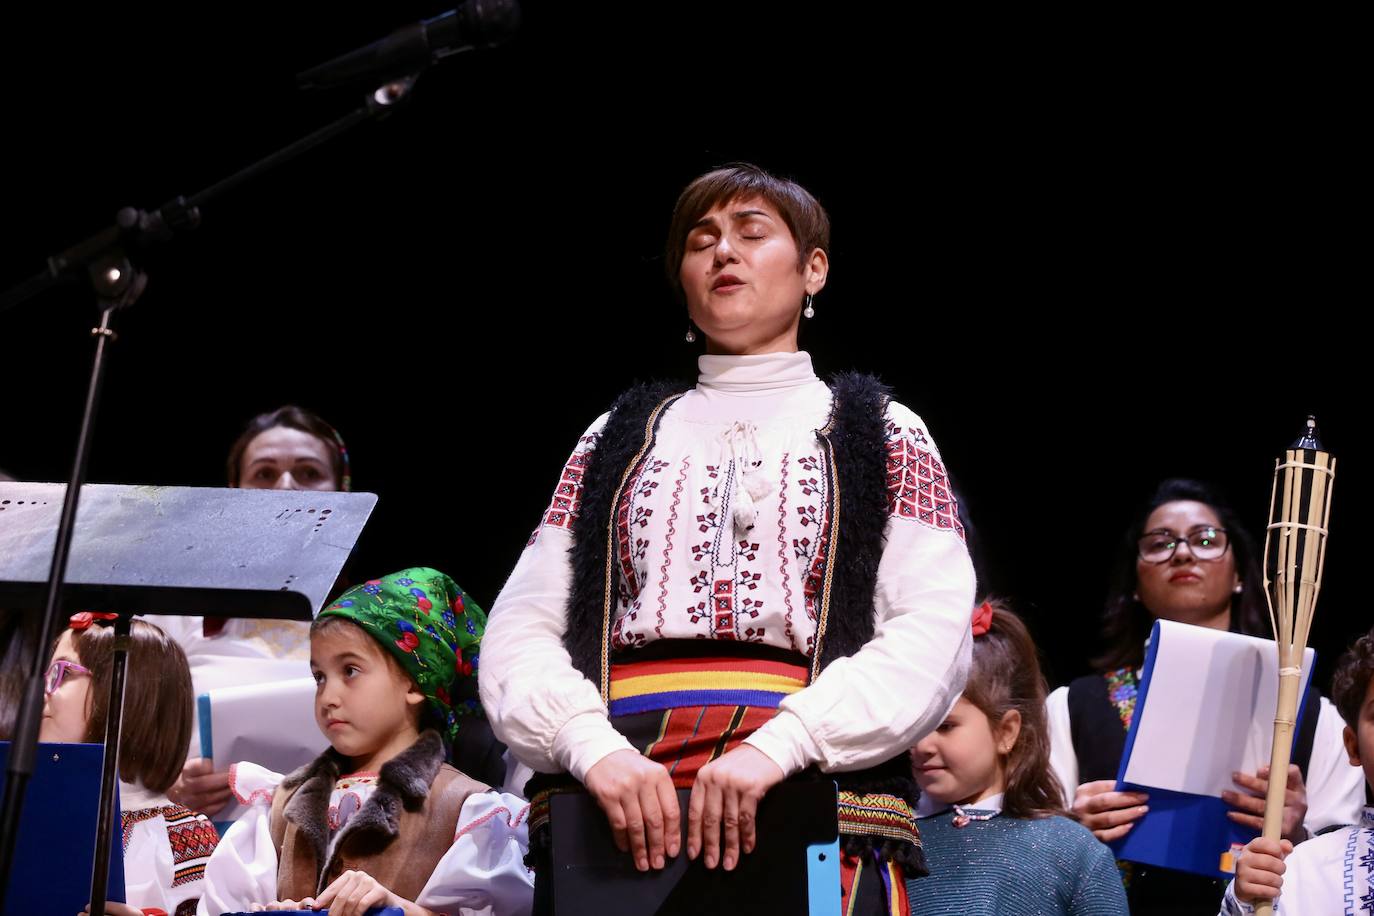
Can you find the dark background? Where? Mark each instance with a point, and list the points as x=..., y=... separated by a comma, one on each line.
x=1087, y=265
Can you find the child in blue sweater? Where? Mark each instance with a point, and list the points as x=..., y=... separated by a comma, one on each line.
x=992, y=823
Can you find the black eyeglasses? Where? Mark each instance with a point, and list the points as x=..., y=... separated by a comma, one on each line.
x=1204, y=542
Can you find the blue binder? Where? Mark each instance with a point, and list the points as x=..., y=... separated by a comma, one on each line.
x=1182, y=831
x=56, y=848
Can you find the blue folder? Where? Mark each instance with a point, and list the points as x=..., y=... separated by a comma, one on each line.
x=56, y=848
x=1182, y=831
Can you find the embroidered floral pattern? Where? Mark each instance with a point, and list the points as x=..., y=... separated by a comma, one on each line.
x=1121, y=693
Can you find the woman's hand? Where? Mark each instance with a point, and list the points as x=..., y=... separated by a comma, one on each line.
x=1259, y=876
x=1109, y=814
x=641, y=804
x=726, y=798
x=200, y=788
x=1250, y=807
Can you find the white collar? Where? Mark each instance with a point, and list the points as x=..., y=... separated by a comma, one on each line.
x=762, y=374
x=133, y=796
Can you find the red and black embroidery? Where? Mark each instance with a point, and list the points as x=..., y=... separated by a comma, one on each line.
x=782, y=550
x=129, y=819
x=917, y=485
x=567, y=496
x=193, y=839
x=668, y=546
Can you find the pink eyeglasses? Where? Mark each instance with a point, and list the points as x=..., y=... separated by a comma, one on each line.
x=58, y=670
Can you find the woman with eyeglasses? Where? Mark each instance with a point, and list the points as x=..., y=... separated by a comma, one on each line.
x=1186, y=558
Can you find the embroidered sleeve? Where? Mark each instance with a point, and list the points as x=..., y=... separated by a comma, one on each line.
x=917, y=486
x=485, y=867
x=567, y=494
x=242, y=870
x=193, y=840
x=253, y=784
x=166, y=849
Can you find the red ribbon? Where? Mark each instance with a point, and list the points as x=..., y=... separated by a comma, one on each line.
x=84, y=619
x=982, y=619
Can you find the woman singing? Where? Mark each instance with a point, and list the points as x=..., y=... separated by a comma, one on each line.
x=742, y=580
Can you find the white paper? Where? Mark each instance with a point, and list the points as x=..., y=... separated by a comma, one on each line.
x=272, y=725
x=1209, y=711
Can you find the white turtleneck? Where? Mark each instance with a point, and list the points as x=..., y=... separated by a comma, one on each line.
x=735, y=490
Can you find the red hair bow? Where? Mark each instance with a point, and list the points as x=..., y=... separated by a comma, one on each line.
x=84, y=619
x=982, y=619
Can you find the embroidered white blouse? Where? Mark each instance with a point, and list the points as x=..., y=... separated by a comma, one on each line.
x=721, y=539
x=165, y=850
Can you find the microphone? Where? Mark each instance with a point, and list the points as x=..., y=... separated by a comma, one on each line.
x=474, y=24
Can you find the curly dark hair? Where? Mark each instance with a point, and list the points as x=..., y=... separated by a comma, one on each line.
x=1350, y=685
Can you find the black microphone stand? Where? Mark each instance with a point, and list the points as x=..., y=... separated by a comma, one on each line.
x=109, y=260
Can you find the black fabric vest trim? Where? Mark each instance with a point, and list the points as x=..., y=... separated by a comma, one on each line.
x=620, y=440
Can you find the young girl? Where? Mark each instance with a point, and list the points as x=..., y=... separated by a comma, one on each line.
x=166, y=846
x=379, y=819
x=991, y=808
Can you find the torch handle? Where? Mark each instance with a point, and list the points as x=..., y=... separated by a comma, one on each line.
x=1284, y=720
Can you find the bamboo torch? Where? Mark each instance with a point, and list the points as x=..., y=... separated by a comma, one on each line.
x=1294, y=553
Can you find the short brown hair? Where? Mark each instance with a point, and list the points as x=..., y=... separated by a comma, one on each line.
x=1006, y=676
x=292, y=417
x=1350, y=685
x=155, y=731
x=806, y=219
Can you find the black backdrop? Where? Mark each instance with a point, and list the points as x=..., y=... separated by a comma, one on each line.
x=1085, y=271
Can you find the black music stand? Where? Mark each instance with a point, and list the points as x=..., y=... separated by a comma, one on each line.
x=174, y=550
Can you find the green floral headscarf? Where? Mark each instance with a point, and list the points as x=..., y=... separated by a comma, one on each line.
x=430, y=626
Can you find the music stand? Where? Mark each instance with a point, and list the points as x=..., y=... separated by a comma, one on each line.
x=175, y=550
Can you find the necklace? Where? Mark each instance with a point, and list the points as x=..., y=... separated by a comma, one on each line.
x=963, y=817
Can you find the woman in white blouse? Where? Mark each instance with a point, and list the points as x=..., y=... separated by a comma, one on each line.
x=764, y=557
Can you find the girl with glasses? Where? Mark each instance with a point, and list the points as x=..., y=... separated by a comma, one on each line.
x=166, y=845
